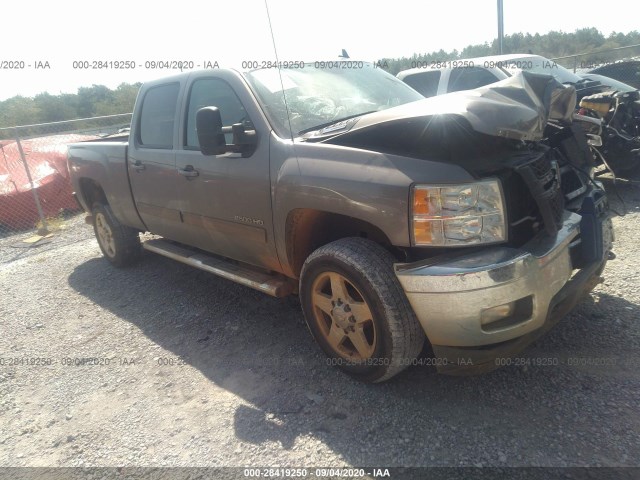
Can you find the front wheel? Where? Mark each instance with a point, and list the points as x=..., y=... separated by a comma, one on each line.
x=357, y=311
x=119, y=244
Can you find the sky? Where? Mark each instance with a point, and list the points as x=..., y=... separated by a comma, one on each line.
x=46, y=46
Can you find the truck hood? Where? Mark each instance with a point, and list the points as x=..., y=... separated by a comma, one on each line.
x=517, y=107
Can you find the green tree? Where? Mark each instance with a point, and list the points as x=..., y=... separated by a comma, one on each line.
x=19, y=111
x=90, y=97
x=588, y=42
x=53, y=108
x=122, y=100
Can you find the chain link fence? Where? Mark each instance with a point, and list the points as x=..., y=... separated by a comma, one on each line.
x=621, y=64
x=35, y=188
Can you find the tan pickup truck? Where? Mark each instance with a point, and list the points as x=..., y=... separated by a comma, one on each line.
x=470, y=220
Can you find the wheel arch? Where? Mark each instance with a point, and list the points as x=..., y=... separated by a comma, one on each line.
x=90, y=192
x=308, y=229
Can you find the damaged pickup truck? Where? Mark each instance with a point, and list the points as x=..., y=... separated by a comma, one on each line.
x=471, y=220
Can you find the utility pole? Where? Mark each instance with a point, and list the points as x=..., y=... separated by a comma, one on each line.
x=500, y=27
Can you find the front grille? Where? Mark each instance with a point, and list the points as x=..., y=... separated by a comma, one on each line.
x=571, y=183
x=540, y=167
x=542, y=177
x=556, y=204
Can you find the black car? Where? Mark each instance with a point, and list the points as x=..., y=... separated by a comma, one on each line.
x=626, y=71
x=608, y=82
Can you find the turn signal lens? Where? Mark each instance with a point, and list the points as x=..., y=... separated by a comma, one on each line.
x=427, y=231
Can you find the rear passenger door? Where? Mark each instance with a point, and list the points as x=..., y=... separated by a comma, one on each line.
x=151, y=161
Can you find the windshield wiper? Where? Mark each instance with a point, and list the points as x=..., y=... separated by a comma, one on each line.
x=333, y=122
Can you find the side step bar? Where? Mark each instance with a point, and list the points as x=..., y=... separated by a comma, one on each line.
x=273, y=285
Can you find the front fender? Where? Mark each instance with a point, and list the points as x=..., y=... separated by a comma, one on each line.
x=370, y=186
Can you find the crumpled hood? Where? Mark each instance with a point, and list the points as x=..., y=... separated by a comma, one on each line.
x=515, y=108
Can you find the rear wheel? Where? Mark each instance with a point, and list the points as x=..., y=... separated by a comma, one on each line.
x=119, y=244
x=357, y=311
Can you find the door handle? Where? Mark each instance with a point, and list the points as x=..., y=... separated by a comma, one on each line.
x=188, y=171
x=138, y=166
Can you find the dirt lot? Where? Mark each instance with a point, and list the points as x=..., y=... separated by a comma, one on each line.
x=193, y=370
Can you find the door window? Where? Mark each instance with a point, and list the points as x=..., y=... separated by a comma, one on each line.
x=425, y=83
x=468, y=78
x=155, y=128
x=213, y=92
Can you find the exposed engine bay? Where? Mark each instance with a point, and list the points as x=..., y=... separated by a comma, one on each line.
x=619, y=116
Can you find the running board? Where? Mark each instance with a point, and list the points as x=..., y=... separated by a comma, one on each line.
x=276, y=286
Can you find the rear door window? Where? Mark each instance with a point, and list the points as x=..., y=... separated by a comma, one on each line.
x=157, y=116
x=468, y=78
x=425, y=83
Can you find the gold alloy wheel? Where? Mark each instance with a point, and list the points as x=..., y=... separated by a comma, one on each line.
x=343, y=316
x=105, y=235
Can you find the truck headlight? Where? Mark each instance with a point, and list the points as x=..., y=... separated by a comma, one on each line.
x=458, y=215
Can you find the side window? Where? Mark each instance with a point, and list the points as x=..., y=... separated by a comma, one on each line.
x=213, y=92
x=468, y=78
x=155, y=127
x=425, y=83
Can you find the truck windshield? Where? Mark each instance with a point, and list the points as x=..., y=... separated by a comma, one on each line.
x=323, y=93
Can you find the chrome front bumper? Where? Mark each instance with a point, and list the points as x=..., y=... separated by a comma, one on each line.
x=456, y=299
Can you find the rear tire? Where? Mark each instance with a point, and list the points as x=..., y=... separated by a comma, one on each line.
x=357, y=311
x=119, y=244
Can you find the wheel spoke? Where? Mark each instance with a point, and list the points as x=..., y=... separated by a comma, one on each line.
x=323, y=302
x=336, y=336
x=361, y=312
x=105, y=236
x=361, y=343
x=338, y=287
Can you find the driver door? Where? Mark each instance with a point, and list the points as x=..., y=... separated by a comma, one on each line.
x=226, y=198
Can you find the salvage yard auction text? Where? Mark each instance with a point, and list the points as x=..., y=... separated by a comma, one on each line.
x=316, y=472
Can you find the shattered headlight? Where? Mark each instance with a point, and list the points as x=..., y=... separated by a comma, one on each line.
x=458, y=215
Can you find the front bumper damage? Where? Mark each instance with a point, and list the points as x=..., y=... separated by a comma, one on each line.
x=479, y=307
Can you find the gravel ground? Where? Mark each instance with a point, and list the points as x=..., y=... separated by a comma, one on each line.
x=193, y=370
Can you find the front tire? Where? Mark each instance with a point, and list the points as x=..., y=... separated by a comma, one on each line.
x=357, y=311
x=119, y=244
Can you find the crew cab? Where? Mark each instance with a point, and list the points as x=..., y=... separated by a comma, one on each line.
x=396, y=219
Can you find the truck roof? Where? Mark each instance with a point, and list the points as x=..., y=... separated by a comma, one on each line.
x=181, y=76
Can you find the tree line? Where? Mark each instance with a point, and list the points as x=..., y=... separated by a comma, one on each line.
x=93, y=101
x=550, y=45
x=100, y=100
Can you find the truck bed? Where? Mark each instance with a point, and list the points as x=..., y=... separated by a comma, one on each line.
x=104, y=162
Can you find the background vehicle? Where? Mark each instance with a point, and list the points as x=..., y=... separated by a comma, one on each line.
x=626, y=71
x=608, y=82
x=437, y=78
x=618, y=106
x=392, y=216
x=616, y=115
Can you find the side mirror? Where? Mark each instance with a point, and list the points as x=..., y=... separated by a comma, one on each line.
x=244, y=140
x=209, y=129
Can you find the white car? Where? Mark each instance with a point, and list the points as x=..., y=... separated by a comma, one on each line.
x=432, y=78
